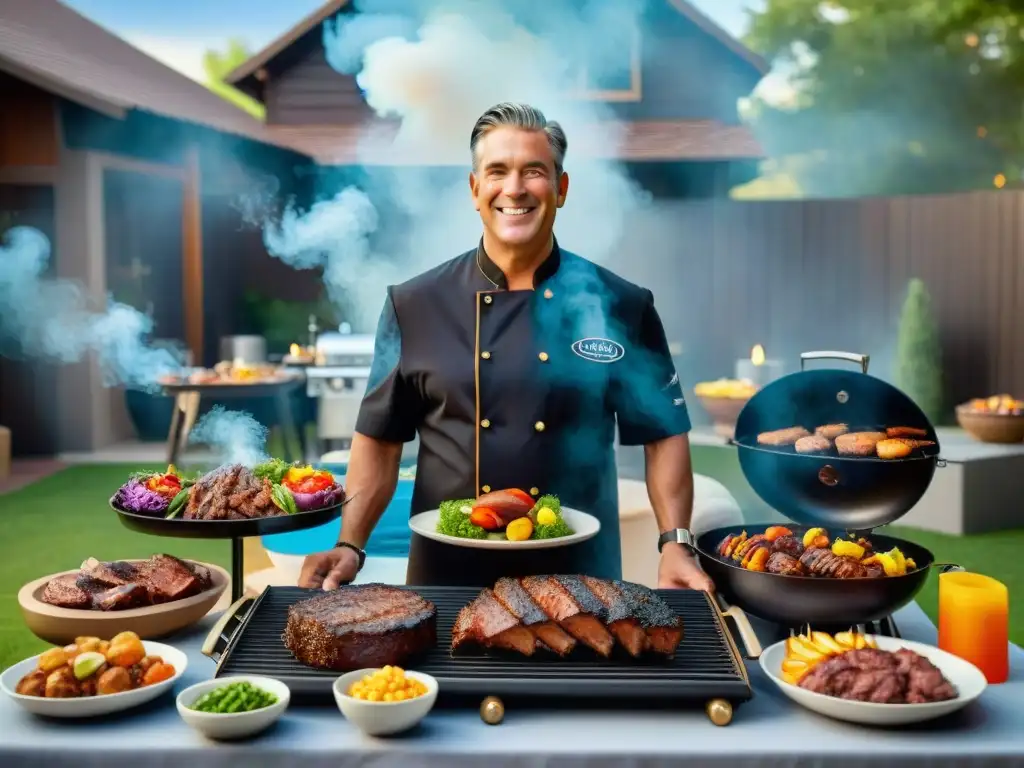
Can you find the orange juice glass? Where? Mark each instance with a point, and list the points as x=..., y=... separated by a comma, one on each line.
x=974, y=621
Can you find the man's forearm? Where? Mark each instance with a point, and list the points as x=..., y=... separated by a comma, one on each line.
x=370, y=483
x=670, y=481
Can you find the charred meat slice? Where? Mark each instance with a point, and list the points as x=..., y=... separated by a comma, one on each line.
x=64, y=592
x=112, y=574
x=122, y=598
x=822, y=562
x=487, y=623
x=510, y=593
x=168, y=578
x=584, y=623
x=791, y=545
x=664, y=629
x=785, y=564
x=622, y=616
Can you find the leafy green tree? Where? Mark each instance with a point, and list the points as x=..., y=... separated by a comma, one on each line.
x=919, y=352
x=217, y=65
x=896, y=96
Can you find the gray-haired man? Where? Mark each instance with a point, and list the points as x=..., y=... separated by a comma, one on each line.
x=513, y=362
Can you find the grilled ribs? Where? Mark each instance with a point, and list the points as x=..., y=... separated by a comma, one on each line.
x=819, y=561
x=367, y=625
x=559, y=610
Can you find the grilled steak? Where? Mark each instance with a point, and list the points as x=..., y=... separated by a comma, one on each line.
x=121, y=598
x=487, y=623
x=367, y=625
x=791, y=545
x=230, y=493
x=202, y=573
x=664, y=629
x=822, y=562
x=168, y=578
x=64, y=592
x=785, y=564
x=113, y=574
x=510, y=593
x=567, y=601
x=881, y=677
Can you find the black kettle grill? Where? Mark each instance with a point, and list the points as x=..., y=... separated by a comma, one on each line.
x=843, y=494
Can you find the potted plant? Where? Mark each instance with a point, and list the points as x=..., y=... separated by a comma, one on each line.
x=919, y=352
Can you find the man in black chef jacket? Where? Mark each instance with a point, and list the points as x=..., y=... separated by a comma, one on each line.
x=514, y=361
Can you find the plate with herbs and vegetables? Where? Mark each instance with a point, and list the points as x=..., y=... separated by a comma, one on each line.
x=506, y=519
x=230, y=501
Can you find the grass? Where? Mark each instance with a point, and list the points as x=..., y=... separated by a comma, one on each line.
x=56, y=523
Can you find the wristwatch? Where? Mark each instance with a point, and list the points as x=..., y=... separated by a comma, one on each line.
x=359, y=553
x=679, y=536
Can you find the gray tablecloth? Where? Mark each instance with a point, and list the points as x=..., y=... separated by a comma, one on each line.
x=767, y=731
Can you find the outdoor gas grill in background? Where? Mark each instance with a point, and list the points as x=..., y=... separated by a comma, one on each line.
x=338, y=381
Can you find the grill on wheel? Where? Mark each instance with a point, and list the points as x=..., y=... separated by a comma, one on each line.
x=706, y=666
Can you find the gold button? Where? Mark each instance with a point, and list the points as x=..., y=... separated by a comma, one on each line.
x=539, y=426
x=543, y=357
x=548, y=294
x=488, y=299
x=485, y=355
x=485, y=423
x=534, y=491
x=485, y=488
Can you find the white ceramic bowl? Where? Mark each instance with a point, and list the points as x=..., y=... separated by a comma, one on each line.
x=236, y=725
x=93, y=706
x=965, y=677
x=384, y=718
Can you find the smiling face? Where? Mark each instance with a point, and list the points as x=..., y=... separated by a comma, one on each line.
x=515, y=186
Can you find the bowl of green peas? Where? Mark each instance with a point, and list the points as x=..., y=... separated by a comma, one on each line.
x=233, y=707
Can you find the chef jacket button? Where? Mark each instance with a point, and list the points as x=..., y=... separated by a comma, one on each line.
x=485, y=488
x=539, y=426
x=485, y=355
x=543, y=357
x=548, y=293
x=534, y=491
x=485, y=423
x=488, y=299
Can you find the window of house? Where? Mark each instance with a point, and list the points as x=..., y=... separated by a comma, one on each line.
x=612, y=72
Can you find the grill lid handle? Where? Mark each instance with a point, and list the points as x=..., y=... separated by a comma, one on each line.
x=850, y=357
x=217, y=633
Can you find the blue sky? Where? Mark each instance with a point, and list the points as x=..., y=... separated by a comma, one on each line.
x=178, y=32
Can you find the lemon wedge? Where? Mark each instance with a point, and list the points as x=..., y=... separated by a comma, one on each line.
x=87, y=664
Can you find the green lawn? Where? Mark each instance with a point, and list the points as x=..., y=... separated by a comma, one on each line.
x=55, y=524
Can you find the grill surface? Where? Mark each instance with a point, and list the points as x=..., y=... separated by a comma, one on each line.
x=705, y=666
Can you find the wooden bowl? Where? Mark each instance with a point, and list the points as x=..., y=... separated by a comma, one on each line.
x=723, y=412
x=991, y=427
x=60, y=626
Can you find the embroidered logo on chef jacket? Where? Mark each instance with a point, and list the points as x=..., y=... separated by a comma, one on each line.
x=598, y=350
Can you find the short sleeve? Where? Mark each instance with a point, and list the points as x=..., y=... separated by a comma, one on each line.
x=389, y=410
x=649, y=402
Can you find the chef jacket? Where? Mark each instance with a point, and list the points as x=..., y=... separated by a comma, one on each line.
x=520, y=389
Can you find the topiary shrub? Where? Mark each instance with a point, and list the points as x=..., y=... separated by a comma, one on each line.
x=919, y=352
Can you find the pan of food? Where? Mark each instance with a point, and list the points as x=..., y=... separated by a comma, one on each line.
x=840, y=453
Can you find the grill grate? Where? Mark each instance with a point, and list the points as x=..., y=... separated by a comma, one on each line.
x=706, y=665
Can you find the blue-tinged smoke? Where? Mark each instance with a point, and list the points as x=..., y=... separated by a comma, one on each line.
x=51, y=319
x=234, y=436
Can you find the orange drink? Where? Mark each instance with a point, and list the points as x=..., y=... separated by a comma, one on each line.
x=974, y=619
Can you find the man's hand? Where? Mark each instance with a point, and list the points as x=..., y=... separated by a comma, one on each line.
x=680, y=570
x=329, y=569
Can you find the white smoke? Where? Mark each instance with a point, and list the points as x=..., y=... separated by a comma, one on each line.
x=234, y=436
x=437, y=69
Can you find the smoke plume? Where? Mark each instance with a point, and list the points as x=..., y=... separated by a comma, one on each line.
x=234, y=436
x=51, y=319
x=437, y=67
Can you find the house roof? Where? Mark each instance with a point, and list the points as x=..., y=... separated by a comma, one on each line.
x=51, y=46
x=650, y=141
x=249, y=68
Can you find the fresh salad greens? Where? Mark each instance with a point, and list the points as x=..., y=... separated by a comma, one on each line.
x=273, y=470
x=284, y=500
x=548, y=520
x=544, y=521
x=454, y=520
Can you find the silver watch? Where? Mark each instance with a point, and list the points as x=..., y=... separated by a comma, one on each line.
x=679, y=536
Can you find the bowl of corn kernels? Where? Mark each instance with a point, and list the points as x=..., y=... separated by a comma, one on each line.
x=385, y=701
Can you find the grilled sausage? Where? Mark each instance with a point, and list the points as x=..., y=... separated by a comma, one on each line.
x=782, y=437
x=905, y=432
x=832, y=431
x=813, y=444
x=858, y=443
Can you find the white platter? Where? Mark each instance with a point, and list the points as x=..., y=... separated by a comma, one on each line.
x=965, y=677
x=585, y=527
x=93, y=706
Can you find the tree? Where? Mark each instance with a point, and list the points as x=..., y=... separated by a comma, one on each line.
x=218, y=65
x=897, y=96
x=919, y=352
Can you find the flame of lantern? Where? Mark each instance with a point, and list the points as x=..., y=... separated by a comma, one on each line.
x=757, y=355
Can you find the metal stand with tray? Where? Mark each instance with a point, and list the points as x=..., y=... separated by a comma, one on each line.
x=707, y=669
x=236, y=530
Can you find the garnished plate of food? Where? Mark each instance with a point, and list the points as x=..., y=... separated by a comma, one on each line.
x=94, y=676
x=871, y=679
x=506, y=519
x=232, y=500
x=152, y=598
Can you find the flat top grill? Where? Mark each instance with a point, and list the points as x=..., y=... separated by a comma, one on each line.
x=706, y=666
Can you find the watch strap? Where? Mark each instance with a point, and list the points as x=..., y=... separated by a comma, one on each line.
x=677, y=536
x=361, y=554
